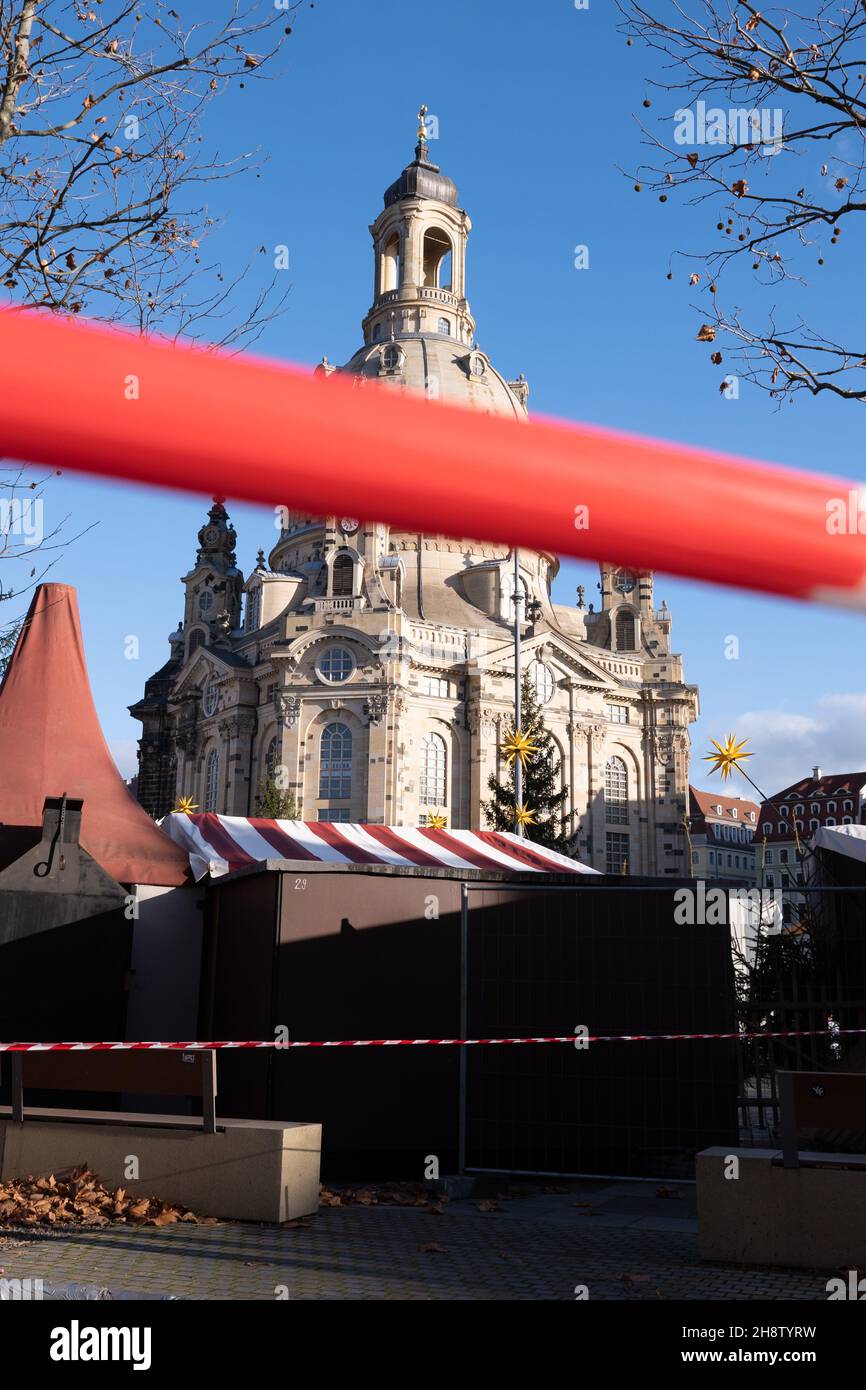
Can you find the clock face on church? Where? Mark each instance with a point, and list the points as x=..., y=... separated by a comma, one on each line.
x=348, y=525
x=625, y=581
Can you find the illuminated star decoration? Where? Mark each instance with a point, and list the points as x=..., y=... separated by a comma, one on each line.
x=437, y=820
x=185, y=805
x=518, y=745
x=524, y=815
x=728, y=757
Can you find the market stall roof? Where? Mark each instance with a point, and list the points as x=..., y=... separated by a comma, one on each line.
x=849, y=840
x=221, y=844
x=51, y=744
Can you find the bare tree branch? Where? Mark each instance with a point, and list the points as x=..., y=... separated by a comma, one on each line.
x=770, y=133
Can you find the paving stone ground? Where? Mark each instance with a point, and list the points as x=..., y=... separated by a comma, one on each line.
x=622, y=1240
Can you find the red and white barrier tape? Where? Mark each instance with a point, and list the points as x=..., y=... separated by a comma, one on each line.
x=418, y=1042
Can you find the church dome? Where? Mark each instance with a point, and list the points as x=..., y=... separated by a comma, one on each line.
x=419, y=333
x=434, y=365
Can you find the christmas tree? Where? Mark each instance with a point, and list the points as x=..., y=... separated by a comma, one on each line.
x=542, y=794
x=272, y=802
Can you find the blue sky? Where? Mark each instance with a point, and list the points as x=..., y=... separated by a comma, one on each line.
x=537, y=109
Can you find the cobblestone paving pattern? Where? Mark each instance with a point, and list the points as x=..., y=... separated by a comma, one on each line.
x=621, y=1240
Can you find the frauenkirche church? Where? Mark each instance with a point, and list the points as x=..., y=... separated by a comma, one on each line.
x=375, y=667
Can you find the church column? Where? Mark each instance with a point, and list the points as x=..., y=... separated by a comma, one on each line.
x=288, y=710
x=236, y=734
x=595, y=734
x=381, y=807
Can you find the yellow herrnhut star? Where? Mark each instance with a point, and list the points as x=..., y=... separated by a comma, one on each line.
x=728, y=758
x=524, y=815
x=518, y=745
x=184, y=805
x=437, y=820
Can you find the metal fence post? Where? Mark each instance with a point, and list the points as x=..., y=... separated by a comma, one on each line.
x=464, y=1011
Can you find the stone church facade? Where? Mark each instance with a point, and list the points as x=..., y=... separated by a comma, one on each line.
x=371, y=670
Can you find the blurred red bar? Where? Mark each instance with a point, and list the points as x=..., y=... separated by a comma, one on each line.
x=109, y=402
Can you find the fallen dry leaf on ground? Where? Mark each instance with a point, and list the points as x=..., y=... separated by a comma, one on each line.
x=77, y=1197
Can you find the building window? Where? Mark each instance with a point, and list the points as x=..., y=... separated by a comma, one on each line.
x=770, y=880
x=816, y=809
x=712, y=856
x=336, y=664
x=209, y=698
x=625, y=631
x=377, y=332
x=616, y=792
x=831, y=820
x=196, y=640
x=798, y=825
x=212, y=780
x=848, y=806
x=813, y=824
x=335, y=763
x=391, y=358
x=831, y=805
x=390, y=264
x=783, y=856
x=798, y=810
x=542, y=682
x=271, y=759
x=254, y=608
x=338, y=814
x=506, y=596
x=616, y=856
x=205, y=602
x=846, y=820
x=437, y=259
x=343, y=576
x=444, y=326
x=434, y=770
x=617, y=714
x=767, y=827
x=433, y=685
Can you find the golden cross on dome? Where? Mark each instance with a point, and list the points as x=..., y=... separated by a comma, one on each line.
x=422, y=128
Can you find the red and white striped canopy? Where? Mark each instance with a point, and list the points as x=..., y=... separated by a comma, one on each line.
x=218, y=844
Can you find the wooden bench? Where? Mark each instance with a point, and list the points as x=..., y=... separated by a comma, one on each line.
x=818, y=1100
x=176, y=1073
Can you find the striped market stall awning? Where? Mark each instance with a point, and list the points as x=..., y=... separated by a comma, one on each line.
x=220, y=844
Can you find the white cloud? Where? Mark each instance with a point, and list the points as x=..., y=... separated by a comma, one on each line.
x=787, y=745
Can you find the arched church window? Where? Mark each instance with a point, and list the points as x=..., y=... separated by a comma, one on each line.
x=542, y=682
x=391, y=358
x=377, y=332
x=444, y=326
x=433, y=782
x=616, y=792
x=625, y=631
x=271, y=759
x=437, y=259
x=335, y=763
x=212, y=780
x=196, y=639
x=390, y=268
x=205, y=601
x=343, y=576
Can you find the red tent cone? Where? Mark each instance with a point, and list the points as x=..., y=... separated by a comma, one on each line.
x=51, y=744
